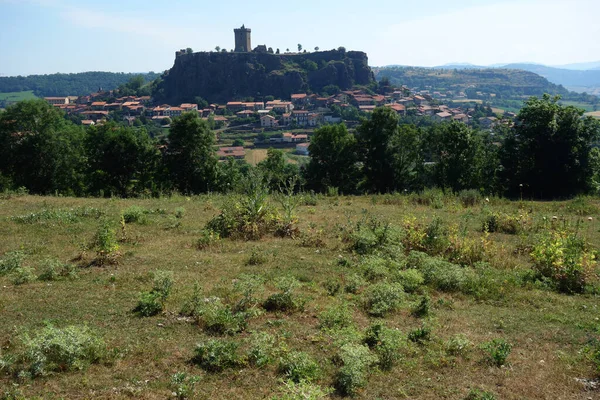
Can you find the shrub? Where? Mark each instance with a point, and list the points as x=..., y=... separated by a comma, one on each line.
x=564, y=259
x=367, y=237
x=303, y=391
x=183, y=385
x=355, y=360
x=215, y=355
x=443, y=275
x=261, y=350
x=298, y=366
x=55, y=350
x=430, y=197
x=476, y=394
x=411, y=279
x=386, y=343
x=220, y=319
x=135, y=214
x=502, y=223
x=256, y=258
x=248, y=286
x=336, y=317
x=179, y=212
x=498, y=351
x=153, y=302
x=313, y=238
x=105, y=243
x=23, y=275
x=207, y=239
x=458, y=345
x=375, y=269
x=54, y=270
x=354, y=282
x=383, y=298
x=469, y=198
x=11, y=261
x=332, y=286
x=286, y=300
x=423, y=308
x=420, y=335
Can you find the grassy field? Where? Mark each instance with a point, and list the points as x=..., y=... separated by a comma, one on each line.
x=340, y=257
x=17, y=96
x=585, y=106
x=254, y=156
x=595, y=114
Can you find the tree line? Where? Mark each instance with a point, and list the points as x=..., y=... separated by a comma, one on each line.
x=548, y=153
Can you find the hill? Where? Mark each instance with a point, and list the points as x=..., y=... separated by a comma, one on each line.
x=577, y=80
x=506, y=83
x=77, y=84
x=404, y=324
x=220, y=77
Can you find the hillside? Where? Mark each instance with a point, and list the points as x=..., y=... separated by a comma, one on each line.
x=78, y=84
x=351, y=307
x=577, y=80
x=505, y=83
x=220, y=77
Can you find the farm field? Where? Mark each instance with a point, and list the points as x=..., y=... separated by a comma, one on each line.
x=17, y=96
x=367, y=297
x=595, y=114
x=254, y=156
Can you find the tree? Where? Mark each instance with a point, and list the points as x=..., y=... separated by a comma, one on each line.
x=277, y=51
x=270, y=50
x=287, y=50
x=190, y=157
x=121, y=161
x=548, y=150
x=317, y=48
x=457, y=156
x=40, y=149
x=407, y=158
x=275, y=169
x=374, y=135
x=333, y=160
x=299, y=47
x=218, y=49
x=202, y=104
x=189, y=50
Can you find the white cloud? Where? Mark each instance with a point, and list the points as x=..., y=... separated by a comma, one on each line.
x=550, y=31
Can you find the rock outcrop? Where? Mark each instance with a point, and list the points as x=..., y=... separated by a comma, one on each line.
x=220, y=77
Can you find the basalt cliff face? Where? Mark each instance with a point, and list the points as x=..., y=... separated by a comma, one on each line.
x=221, y=77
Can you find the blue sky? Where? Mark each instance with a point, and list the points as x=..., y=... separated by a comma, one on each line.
x=47, y=36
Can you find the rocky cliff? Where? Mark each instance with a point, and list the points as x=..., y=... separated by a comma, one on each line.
x=220, y=77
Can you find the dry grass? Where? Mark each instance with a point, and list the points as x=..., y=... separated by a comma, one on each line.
x=595, y=114
x=255, y=156
x=548, y=330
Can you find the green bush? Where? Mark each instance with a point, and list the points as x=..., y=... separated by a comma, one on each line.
x=382, y=298
x=286, y=300
x=375, y=269
x=423, y=308
x=248, y=287
x=179, y=212
x=261, y=349
x=298, y=366
x=501, y=223
x=135, y=214
x=420, y=335
x=458, y=345
x=469, y=198
x=476, y=394
x=564, y=259
x=56, y=350
x=183, y=385
x=105, y=243
x=23, y=275
x=256, y=258
x=354, y=282
x=336, y=317
x=386, y=343
x=54, y=270
x=303, y=391
x=367, y=237
x=332, y=286
x=208, y=238
x=220, y=319
x=411, y=279
x=443, y=275
x=11, y=261
x=153, y=302
x=498, y=351
x=355, y=361
x=215, y=355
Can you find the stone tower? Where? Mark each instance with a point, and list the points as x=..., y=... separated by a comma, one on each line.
x=242, y=39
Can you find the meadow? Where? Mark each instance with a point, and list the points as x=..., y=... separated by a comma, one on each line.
x=418, y=296
x=17, y=96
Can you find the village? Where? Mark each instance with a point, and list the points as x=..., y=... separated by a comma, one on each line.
x=280, y=123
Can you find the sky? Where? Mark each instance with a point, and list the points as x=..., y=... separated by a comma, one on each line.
x=49, y=36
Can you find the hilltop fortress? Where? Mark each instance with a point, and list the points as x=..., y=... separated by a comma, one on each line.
x=222, y=76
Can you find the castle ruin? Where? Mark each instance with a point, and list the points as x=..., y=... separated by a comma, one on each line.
x=242, y=40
